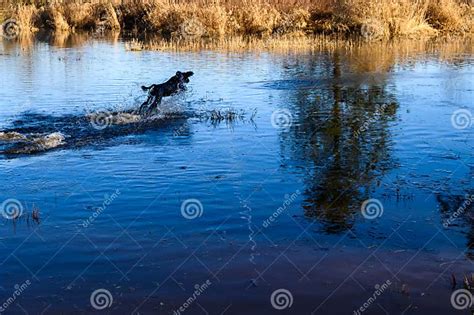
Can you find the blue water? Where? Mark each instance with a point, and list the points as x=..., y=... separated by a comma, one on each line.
x=110, y=200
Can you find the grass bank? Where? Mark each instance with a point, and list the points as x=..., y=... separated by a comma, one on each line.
x=374, y=19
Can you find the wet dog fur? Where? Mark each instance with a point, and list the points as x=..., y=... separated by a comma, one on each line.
x=156, y=92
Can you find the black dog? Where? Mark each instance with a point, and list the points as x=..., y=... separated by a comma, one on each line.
x=158, y=91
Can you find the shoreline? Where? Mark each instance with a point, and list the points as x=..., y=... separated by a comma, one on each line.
x=272, y=44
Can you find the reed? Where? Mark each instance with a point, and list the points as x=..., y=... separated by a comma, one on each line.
x=262, y=18
x=451, y=16
x=282, y=44
x=387, y=18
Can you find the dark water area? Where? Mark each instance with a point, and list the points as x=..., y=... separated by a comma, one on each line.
x=345, y=171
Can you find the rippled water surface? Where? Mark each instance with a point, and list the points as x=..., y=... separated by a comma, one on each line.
x=269, y=198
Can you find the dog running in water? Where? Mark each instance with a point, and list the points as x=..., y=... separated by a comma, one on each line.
x=156, y=92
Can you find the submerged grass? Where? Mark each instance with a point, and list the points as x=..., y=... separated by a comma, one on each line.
x=218, y=19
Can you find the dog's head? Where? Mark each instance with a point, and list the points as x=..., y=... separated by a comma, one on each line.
x=184, y=76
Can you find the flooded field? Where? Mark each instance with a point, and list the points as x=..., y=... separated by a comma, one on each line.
x=325, y=181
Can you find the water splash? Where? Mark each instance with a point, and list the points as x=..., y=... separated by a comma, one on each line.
x=37, y=133
x=28, y=144
x=11, y=136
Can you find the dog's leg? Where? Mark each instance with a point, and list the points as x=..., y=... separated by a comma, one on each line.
x=154, y=105
x=142, y=107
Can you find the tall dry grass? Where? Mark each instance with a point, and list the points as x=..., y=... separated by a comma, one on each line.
x=451, y=16
x=284, y=44
x=67, y=16
x=261, y=18
x=386, y=18
x=27, y=17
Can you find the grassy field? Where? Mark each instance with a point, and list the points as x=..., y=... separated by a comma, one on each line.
x=218, y=19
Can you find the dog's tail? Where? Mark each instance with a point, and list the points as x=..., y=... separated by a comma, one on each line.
x=146, y=88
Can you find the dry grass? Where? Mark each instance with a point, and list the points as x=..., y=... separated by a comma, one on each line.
x=376, y=57
x=387, y=18
x=450, y=16
x=67, y=16
x=78, y=15
x=27, y=17
x=134, y=45
x=284, y=44
x=261, y=18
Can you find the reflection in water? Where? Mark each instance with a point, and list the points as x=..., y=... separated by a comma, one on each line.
x=343, y=117
x=248, y=217
x=456, y=211
x=343, y=138
x=63, y=39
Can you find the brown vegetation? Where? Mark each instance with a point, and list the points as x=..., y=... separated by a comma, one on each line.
x=216, y=19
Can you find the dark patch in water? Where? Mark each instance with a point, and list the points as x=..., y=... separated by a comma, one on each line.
x=78, y=131
x=36, y=133
x=319, y=83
